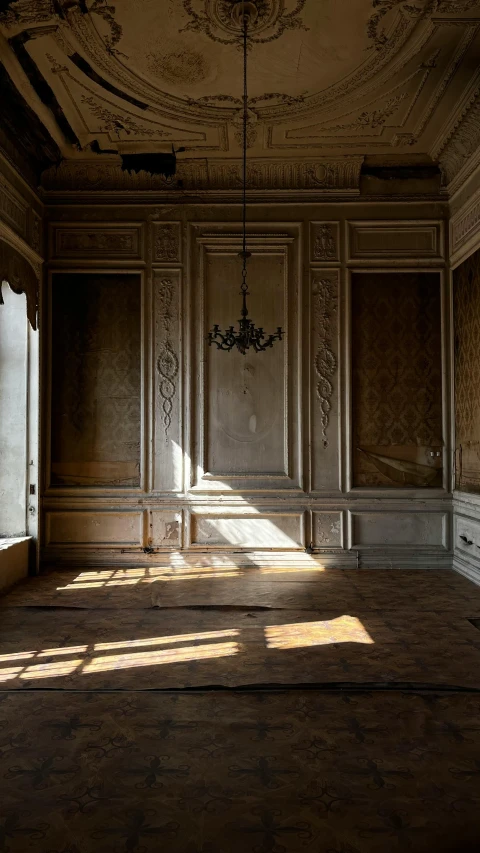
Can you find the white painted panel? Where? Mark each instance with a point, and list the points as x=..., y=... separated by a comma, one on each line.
x=328, y=529
x=325, y=376
x=246, y=423
x=282, y=531
x=168, y=459
x=395, y=240
x=13, y=413
x=467, y=536
x=419, y=529
x=94, y=528
x=165, y=529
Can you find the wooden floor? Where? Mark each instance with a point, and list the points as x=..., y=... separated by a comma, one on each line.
x=206, y=710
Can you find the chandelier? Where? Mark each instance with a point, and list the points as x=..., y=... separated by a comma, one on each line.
x=247, y=334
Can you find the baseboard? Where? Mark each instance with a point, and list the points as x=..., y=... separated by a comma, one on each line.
x=14, y=559
x=385, y=558
x=469, y=571
x=466, y=523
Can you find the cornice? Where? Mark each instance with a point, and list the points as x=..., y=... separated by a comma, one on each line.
x=328, y=175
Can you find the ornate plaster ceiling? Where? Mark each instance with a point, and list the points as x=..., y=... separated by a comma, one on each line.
x=327, y=78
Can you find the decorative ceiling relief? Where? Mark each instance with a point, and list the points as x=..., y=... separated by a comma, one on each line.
x=140, y=77
x=26, y=12
x=220, y=20
x=413, y=9
x=254, y=111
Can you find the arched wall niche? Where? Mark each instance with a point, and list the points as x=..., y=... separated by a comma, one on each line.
x=22, y=277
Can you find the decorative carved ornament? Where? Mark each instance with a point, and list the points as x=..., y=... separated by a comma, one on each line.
x=220, y=21
x=463, y=143
x=324, y=308
x=167, y=360
x=324, y=242
x=415, y=9
x=85, y=241
x=167, y=243
x=466, y=225
x=341, y=174
x=22, y=278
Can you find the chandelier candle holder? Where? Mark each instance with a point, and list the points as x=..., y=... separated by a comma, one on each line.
x=247, y=335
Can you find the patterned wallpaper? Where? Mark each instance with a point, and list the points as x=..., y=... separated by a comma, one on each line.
x=466, y=296
x=397, y=379
x=96, y=364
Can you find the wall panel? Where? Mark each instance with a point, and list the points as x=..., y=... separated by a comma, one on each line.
x=247, y=407
x=247, y=454
x=397, y=380
x=399, y=529
x=96, y=380
x=168, y=460
x=94, y=529
x=466, y=303
x=282, y=531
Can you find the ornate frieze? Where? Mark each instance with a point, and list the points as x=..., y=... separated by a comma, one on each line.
x=463, y=143
x=327, y=174
x=465, y=226
x=99, y=242
x=325, y=301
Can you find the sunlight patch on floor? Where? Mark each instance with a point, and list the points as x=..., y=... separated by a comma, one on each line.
x=344, y=629
x=156, y=658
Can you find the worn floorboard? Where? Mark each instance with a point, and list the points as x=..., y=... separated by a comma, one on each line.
x=336, y=712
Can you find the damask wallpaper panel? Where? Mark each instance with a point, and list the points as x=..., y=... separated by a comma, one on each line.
x=466, y=302
x=396, y=379
x=96, y=380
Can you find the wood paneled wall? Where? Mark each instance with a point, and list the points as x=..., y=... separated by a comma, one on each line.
x=248, y=454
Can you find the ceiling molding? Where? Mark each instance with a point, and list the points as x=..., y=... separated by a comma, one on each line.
x=326, y=175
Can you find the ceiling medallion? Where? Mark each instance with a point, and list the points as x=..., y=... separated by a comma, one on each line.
x=248, y=335
x=221, y=20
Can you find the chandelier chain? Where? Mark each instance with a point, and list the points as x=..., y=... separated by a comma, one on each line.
x=245, y=127
x=248, y=335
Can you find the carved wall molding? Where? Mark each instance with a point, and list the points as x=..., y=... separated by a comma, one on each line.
x=21, y=276
x=325, y=302
x=98, y=241
x=385, y=240
x=166, y=242
x=167, y=359
x=262, y=174
x=35, y=231
x=459, y=154
x=13, y=209
x=465, y=229
x=324, y=244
